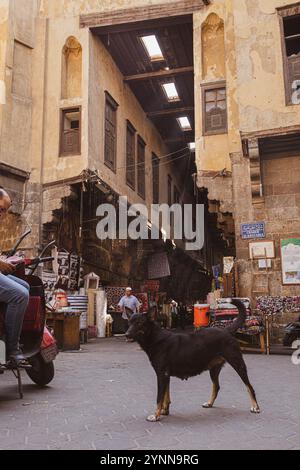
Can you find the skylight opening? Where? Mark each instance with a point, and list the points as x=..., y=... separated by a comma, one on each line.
x=152, y=47
x=184, y=123
x=171, y=91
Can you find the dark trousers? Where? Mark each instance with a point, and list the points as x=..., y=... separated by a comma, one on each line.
x=15, y=294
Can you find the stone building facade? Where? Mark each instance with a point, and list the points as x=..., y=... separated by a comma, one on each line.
x=59, y=66
x=258, y=61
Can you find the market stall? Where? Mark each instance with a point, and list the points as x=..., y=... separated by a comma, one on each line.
x=71, y=301
x=253, y=332
x=278, y=313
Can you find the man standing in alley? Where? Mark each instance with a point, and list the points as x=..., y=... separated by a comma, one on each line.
x=130, y=302
x=129, y=305
x=14, y=293
x=174, y=313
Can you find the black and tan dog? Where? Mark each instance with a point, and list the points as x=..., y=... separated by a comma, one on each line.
x=187, y=355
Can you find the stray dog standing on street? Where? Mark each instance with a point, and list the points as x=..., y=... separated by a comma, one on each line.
x=187, y=355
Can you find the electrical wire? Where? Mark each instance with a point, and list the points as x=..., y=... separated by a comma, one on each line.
x=174, y=159
x=160, y=159
x=147, y=169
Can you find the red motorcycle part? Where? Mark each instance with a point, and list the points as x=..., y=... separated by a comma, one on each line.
x=49, y=348
x=48, y=339
x=33, y=315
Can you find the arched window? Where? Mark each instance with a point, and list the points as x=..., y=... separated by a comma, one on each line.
x=213, y=48
x=71, y=69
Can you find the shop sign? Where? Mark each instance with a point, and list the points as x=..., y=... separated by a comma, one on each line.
x=253, y=230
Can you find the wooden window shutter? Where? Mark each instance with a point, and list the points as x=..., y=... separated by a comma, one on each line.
x=110, y=145
x=289, y=18
x=155, y=178
x=130, y=155
x=214, y=110
x=70, y=133
x=71, y=142
x=141, y=168
x=294, y=70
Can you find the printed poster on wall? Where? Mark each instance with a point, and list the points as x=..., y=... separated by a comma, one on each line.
x=290, y=261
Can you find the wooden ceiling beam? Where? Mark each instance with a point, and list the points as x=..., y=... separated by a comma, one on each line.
x=167, y=112
x=143, y=27
x=159, y=74
x=133, y=15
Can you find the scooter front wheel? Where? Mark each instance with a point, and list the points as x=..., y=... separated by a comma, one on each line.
x=40, y=373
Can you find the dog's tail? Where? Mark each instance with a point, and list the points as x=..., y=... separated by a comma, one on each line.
x=241, y=319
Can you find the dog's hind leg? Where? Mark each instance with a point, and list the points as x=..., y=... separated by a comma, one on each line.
x=163, y=381
x=238, y=364
x=214, y=375
x=166, y=402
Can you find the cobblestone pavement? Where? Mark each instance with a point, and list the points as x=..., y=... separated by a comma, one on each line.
x=101, y=396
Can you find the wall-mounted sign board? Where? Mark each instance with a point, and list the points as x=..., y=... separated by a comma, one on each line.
x=253, y=230
x=262, y=249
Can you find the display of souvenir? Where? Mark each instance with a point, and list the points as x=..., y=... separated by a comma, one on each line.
x=63, y=260
x=74, y=271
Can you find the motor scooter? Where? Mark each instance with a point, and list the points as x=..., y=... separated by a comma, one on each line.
x=292, y=333
x=38, y=345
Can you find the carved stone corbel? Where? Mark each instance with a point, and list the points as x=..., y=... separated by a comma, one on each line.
x=255, y=171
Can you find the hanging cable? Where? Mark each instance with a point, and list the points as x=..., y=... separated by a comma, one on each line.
x=160, y=159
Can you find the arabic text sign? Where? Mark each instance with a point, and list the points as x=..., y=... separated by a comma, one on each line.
x=254, y=230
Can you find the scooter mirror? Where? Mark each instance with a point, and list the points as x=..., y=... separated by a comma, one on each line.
x=13, y=251
x=47, y=247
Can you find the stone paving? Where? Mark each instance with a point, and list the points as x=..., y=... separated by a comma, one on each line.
x=101, y=396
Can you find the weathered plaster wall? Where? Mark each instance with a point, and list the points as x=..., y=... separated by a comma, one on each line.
x=55, y=167
x=71, y=86
x=260, y=80
x=213, y=48
x=254, y=75
x=213, y=152
x=17, y=62
x=18, y=91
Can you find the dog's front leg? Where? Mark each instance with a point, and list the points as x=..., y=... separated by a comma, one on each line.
x=162, y=385
x=167, y=401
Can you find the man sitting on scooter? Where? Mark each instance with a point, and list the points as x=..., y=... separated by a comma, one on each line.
x=14, y=293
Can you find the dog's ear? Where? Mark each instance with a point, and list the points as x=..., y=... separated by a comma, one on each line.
x=151, y=313
x=129, y=312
